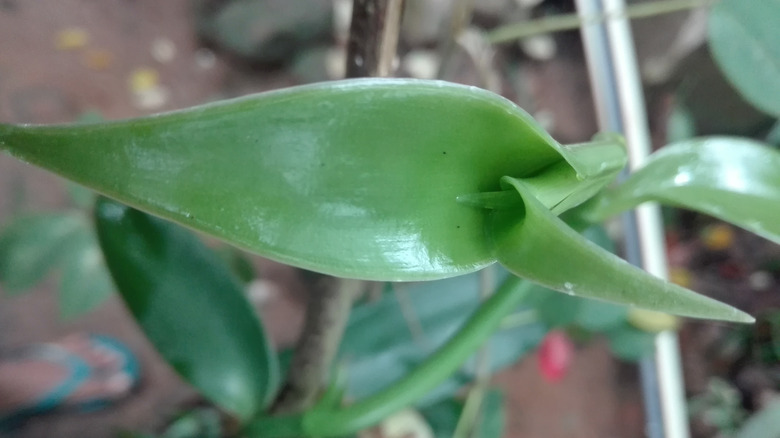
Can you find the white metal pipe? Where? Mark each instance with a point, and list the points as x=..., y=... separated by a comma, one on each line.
x=620, y=106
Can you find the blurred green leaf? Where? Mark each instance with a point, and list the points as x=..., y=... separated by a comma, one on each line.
x=743, y=36
x=357, y=178
x=238, y=261
x=81, y=196
x=733, y=179
x=764, y=424
x=629, y=343
x=388, y=338
x=773, y=137
x=681, y=125
x=200, y=423
x=533, y=243
x=443, y=416
x=720, y=406
x=493, y=415
x=598, y=316
x=555, y=309
x=31, y=246
x=85, y=282
x=190, y=306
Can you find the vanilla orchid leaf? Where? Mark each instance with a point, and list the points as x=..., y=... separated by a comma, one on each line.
x=733, y=179
x=533, y=243
x=384, y=179
x=357, y=178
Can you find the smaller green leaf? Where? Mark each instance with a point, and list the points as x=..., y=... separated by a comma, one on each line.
x=493, y=415
x=534, y=244
x=31, y=246
x=743, y=36
x=733, y=179
x=81, y=196
x=398, y=332
x=190, y=307
x=85, y=282
x=200, y=423
x=598, y=316
x=773, y=137
x=630, y=344
x=680, y=125
x=764, y=424
x=443, y=416
x=555, y=309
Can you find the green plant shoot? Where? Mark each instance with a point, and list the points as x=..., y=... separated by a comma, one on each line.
x=390, y=179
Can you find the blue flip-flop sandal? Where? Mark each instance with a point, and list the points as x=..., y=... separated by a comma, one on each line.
x=79, y=372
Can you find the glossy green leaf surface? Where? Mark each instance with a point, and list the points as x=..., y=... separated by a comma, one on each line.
x=354, y=178
x=743, y=36
x=191, y=308
x=388, y=179
x=733, y=179
x=533, y=243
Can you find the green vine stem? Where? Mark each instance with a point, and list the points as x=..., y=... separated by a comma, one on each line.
x=557, y=23
x=334, y=422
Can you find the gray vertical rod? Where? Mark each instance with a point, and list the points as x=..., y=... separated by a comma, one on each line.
x=620, y=107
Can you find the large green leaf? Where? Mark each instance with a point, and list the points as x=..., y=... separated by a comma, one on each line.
x=533, y=243
x=764, y=424
x=374, y=179
x=190, y=306
x=734, y=179
x=355, y=178
x=743, y=37
x=32, y=245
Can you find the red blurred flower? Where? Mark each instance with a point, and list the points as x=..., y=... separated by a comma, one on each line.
x=555, y=355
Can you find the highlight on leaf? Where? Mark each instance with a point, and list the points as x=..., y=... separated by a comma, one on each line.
x=733, y=179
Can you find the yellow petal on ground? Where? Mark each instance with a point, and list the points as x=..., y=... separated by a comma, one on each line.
x=650, y=321
x=71, y=38
x=717, y=237
x=143, y=79
x=680, y=276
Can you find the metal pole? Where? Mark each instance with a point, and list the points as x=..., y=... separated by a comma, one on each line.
x=620, y=107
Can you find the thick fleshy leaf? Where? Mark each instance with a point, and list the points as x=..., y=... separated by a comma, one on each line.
x=743, y=36
x=533, y=243
x=733, y=179
x=32, y=245
x=190, y=306
x=763, y=424
x=356, y=178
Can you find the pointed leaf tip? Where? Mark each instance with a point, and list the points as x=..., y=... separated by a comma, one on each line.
x=533, y=243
